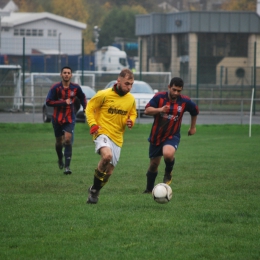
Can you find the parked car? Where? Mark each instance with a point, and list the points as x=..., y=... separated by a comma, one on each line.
x=47, y=111
x=142, y=92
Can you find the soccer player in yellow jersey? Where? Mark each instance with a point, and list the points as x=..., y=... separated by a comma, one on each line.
x=108, y=113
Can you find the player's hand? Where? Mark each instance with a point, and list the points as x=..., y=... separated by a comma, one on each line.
x=68, y=101
x=129, y=123
x=192, y=131
x=165, y=109
x=94, y=129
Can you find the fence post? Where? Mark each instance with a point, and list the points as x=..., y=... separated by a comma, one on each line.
x=82, y=63
x=140, y=60
x=23, y=70
x=197, y=85
x=254, y=78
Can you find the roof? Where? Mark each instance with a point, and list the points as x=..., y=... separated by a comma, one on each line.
x=8, y=5
x=21, y=18
x=197, y=22
x=3, y=3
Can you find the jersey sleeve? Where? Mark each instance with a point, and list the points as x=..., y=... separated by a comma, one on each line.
x=192, y=108
x=82, y=97
x=93, y=105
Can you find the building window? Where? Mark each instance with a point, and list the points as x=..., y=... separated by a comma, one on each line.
x=16, y=32
x=28, y=32
x=40, y=33
x=34, y=32
x=52, y=33
x=22, y=32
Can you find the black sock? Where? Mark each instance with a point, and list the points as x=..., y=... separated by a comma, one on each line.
x=151, y=176
x=67, y=154
x=100, y=179
x=169, y=166
x=97, y=184
x=59, y=151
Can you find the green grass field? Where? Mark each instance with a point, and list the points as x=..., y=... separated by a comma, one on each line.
x=214, y=212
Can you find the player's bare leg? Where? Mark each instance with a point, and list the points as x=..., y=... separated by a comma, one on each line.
x=102, y=174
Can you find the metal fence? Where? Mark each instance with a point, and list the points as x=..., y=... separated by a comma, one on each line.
x=220, y=82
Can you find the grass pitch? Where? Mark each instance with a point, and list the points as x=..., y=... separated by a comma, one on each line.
x=214, y=212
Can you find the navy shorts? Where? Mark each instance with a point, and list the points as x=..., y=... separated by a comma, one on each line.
x=60, y=129
x=157, y=150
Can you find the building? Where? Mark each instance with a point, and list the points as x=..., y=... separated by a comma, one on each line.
x=44, y=32
x=190, y=5
x=205, y=46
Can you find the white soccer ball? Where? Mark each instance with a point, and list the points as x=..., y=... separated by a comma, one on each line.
x=162, y=193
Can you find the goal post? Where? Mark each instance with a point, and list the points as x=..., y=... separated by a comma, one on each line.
x=10, y=87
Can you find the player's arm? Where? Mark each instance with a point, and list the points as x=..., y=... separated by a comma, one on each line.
x=151, y=111
x=194, y=111
x=132, y=116
x=82, y=98
x=52, y=100
x=94, y=104
x=192, y=129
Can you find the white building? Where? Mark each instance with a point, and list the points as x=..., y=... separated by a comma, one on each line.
x=44, y=33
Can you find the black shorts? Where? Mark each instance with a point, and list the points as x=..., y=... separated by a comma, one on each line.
x=157, y=150
x=60, y=129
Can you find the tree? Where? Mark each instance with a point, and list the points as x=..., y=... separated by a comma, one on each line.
x=73, y=9
x=33, y=5
x=120, y=22
x=239, y=5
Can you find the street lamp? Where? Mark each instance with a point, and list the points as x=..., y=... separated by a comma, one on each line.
x=96, y=35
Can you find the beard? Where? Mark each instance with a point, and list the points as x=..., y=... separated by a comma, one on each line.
x=172, y=97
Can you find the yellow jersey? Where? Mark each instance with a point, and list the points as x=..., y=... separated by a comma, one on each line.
x=110, y=112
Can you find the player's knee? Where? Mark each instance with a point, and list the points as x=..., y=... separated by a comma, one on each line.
x=67, y=142
x=153, y=167
x=107, y=158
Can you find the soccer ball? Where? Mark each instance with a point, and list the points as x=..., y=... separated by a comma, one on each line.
x=162, y=193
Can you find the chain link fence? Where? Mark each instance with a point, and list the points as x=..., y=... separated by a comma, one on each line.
x=221, y=82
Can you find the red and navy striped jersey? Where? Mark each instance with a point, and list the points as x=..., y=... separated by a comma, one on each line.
x=63, y=113
x=167, y=125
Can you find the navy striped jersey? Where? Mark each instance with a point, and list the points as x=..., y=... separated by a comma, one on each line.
x=167, y=125
x=63, y=113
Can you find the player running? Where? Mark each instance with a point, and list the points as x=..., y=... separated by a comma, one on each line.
x=62, y=96
x=167, y=108
x=108, y=113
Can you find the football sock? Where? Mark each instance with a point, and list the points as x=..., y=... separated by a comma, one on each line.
x=100, y=179
x=169, y=165
x=59, y=151
x=151, y=176
x=67, y=154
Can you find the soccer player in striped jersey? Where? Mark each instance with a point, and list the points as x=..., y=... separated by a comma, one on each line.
x=62, y=96
x=167, y=108
x=108, y=113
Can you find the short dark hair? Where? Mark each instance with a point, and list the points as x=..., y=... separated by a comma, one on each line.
x=66, y=67
x=126, y=73
x=176, y=81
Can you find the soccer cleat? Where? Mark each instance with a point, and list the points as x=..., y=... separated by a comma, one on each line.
x=61, y=164
x=67, y=171
x=92, y=196
x=147, y=192
x=167, y=179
